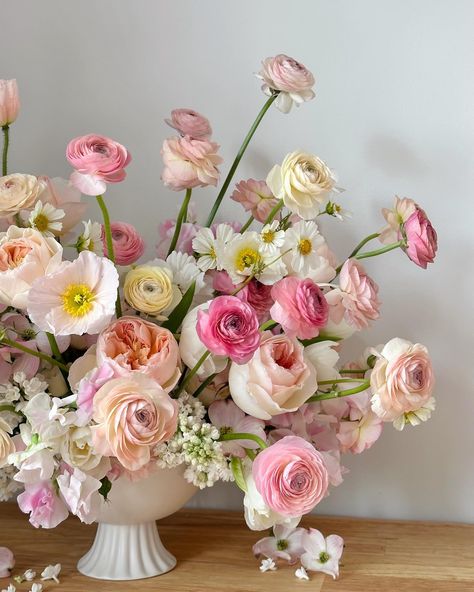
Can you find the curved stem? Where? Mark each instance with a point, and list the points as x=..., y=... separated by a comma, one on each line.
x=6, y=142
x=203, y=385
x=320, y=338
x=110, y=246
x=363, y=242
x=349, y=371
x=238, y=158
x=243, y=436
x=41, y=355
x=247, y=225
x=198, y=364
x=339, y=394
x=8, y=408
x=381, y=251
x=337, y=380
x=274, y=211
x=53, y=344
x=183, y=213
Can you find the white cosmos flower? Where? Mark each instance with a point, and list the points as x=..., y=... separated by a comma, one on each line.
x=78, y=298
x=91, y=238
x=46, y=219
x=302, y=241
x=271, y=239
x=210, y=247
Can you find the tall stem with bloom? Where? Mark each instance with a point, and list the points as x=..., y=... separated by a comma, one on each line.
x=356, y=249
x=238, y=158
x=247, y=225
x=386, y=249
x=32, y=352
x=110, y=246
x=338, y=394
x=183, y=214
x=6, y=142
x=243, y=436
x=53, y=344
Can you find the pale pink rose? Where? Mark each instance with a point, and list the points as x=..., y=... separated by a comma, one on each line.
x=396, y=217
x=189, y=163
x=133, y=415
x=300, y=307
x=64, y=196
x=90, y=384
x=18, y=192
x=185, y=241
x=45, y=507
x=226, y=416
x=277, y=379
x=81, y=494
x=229, y=328
x=356, y=301
x=98, y=160
x=256, y=197
x=286, y=543
x=259, y=296
x=293, y=81
x=402, y=379
x=7, y=562
x=25, y=255
x=9, y=102
x=322, y=554
x=291, y=476
x=422, y=240
x=190, y=123
x=131, y=345
x=128, y=244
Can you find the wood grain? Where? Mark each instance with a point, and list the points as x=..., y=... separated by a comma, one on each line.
x=214, y=555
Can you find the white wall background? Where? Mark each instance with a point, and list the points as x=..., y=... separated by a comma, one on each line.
x=393, y=114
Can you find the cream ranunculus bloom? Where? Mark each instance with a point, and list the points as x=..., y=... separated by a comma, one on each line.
x=18, y=192
x=304, y=183
x=6, y=443
x=150, y=289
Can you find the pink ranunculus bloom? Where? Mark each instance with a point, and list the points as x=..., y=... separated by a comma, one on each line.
x=132, y=415
x=322, y=554
x=9, y=102
x=98, y=160
x=190, y=123
x=402, y=379
x=356, y=301
x=81, y=494
x=293, y=81
x=189, y=163
x=259, y=296
x=300, y=307
x=64, y=196
x=422, y=240
x=226, y=416
x=45, y=507
x=131, y=345
x=256, y=197
x=128, y=244
x=286, y=543
x=291, y=476
x=7, y=562
x=229, y=328
x=185, y=241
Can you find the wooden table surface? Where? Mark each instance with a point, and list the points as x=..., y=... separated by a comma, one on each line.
x=214, y=555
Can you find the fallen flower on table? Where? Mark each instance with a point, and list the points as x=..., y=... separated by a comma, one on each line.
x=51, y=573
x=7, y=562
x=9, y=588
x=301, y=573
x=36, y=588
x=267, y=565
x=322, y=554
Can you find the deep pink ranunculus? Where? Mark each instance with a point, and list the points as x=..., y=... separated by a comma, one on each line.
x=259, y=297
x=422, y=240
x=300, y=307
x=229, y=328
x=98, y=160
x=190, y=123
x=291, y=476
x=128, y=244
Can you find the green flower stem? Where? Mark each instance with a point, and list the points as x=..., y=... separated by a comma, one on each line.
x=53, y=344
x=243, y=284
x=6, y=142
x=7, y=408
x=183, y=214
x=198, y=364
x=238, y=158
x=243, y=436
x=247, y=225
x=41, y=355
x=268, y=325
x=363, y=242
x=337, y=380
x=110, y=246
x=320, y=338
x=203, y=385
x=349, y=371
x=381, y=251
x=338, y=394
x=274, y=212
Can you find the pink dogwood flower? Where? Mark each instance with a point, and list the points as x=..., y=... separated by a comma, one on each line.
x=322, y=554
x=286, y=543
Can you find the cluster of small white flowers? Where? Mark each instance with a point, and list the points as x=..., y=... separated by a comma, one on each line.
x=196, y=445
x=8, y=486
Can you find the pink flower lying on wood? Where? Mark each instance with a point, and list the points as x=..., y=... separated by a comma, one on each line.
x=7, y=562
x=286, y=543
x=322, y=554
x=190, y=123
x=128, y=244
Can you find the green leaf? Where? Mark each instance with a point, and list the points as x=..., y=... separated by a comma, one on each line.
x=105, y=488
x=238, y=472
x=180, y=311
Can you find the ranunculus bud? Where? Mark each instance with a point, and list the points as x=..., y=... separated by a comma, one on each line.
x=9, y=102
x=190, y=123
x=128, y=244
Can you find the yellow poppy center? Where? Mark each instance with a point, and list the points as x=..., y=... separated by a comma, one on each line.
x=41, y=222
x=305, y=246
x=78, y=300
x=247, y=258
x=268, y=236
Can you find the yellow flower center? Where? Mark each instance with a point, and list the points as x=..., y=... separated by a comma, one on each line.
x=268, y=236
x=77, y=300
x=212, y=254
x=247, y=258
x=41, y=222
x=305, y=246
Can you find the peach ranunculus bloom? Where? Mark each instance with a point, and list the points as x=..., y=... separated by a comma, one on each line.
x=255, y=197
x=9, y=102
x=132, y=414
x=277, y=379
x=189, y=163
x=25, y=255
x=18, y=192
x=132, y=345
x=402, y=380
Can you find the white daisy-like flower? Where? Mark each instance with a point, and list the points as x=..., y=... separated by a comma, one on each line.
x=210, y=247
x=302, y=241
x=91, y=238
x=414, y=418
x=51, y=572
x=267, y=565
x=271, y=238
x=46, y=219
x=79, y=297
x=336, y=210
x=185, y=270
x=302, y=574
x=243, y=257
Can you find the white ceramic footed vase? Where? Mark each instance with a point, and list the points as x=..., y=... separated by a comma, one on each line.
x=127, y=545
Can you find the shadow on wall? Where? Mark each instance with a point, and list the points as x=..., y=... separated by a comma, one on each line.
x=392, y=156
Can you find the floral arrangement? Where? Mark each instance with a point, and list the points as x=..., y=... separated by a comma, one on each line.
x=220, y=355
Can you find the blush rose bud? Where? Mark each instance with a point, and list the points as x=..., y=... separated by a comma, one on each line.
x=9, y=102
